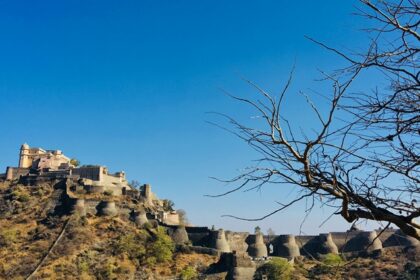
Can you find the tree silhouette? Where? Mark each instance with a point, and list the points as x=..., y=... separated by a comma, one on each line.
x=363, y=160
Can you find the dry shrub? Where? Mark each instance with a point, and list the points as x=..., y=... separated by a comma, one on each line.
x=9, y=236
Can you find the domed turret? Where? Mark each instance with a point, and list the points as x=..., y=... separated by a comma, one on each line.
x=320, y=245
x=219, y=241
x=140, y=218
x=286, y=246
x=257, y=248
x=374, y=240
x=180, y=235
x=109, y=209
x=398, y=238
x=327, y=245
x=365, y=240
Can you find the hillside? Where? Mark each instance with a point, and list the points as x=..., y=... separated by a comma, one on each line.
x=41, y=237
x=90, y=247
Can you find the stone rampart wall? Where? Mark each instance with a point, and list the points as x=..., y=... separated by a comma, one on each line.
x=15, y=172
x=199, y=236
x=352, y=241
x=89, y=172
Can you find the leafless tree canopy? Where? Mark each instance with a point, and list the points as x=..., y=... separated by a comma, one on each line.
x=364, y=158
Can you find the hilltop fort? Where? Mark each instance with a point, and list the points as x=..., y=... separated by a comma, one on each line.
x=35, y=163
x=88, y=185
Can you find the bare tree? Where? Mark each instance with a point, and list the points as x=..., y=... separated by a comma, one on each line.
x=363, y=159
x=135, y=184
x=271, y=234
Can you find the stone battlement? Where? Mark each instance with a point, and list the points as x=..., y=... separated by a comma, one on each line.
x=289, y=246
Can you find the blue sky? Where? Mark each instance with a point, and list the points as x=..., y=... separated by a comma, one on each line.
x=128, y=84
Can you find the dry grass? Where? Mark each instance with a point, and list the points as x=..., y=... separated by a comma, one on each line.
x=87, y=249
x=390, y=264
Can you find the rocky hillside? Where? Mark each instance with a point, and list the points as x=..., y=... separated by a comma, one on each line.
x=41, y=238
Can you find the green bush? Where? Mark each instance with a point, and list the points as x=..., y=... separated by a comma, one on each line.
x=147, y=225
x=162, y=247
x=24, y=197
x=168, y=205
x=332, y=260
x=8, y=237
x=330, y=264
x=145, y=248
x=85, y=262
x=189, y=273
x=75, y=162
x=20, y=196
x=83, y=266
x=131, y=244
x=107, y=271
x=276, y=269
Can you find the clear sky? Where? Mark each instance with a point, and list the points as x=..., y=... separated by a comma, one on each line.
x=128, y=84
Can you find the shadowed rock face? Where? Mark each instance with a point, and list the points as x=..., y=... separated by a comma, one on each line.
x=364, y=241
x=219, y=241
x=286, y=246
x=257, y=248
x=180, y=235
